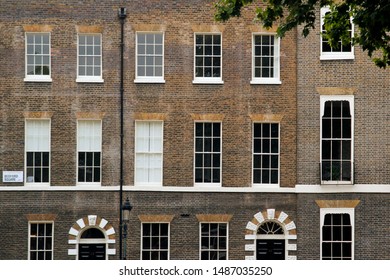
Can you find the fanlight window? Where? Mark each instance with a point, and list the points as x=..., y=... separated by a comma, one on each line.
x=270, y=228
x=92, y=233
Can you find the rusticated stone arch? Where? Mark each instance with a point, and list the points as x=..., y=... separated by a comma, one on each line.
x=91, y=221
x=283, y=220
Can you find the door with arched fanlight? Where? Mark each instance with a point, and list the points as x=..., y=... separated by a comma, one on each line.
x=270, y=241
x=92, y=245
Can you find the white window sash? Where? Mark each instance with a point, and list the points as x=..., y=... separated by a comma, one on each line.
x=145, y=78
x=93, y=78
x=276, y=79
x=350, y=211
x=334, y=55
x=208, y=80
x=278, y=154
x=208, y=184
x=148, y=153
x=323, y=100
x=37, y=78
x=30, y=236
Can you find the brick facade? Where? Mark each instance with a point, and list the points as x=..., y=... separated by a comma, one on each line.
x=178, y=103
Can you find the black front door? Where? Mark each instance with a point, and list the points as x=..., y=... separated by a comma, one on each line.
x=270, y=249
x=92, y=251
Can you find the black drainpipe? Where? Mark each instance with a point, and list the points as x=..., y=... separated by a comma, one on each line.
x=122, y=17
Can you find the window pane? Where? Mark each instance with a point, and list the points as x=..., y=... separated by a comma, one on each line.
x=326, y=149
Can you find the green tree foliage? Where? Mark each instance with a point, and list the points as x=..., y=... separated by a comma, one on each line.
x=371, y=19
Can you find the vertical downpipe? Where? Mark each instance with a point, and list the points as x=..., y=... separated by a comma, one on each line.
x=122, y=17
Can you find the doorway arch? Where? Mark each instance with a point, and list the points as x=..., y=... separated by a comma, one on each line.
x=92, y=237
x=271, y=234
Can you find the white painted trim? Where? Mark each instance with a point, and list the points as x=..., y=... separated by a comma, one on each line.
x=270, y=185
x=265, y=81
x=208, y=185
x=208, y=80
x=72, y=252
x=52, y=237
x=89, y=121
x=111, y=252
x=89, y=80
x=215, y=81
x=149, y=79
x=169, y=237
x=335, y=55
x=36, y=78
x=136, y=154
x=85, y=78
x=227, y=238
x=38, y=184
x=276, y=79
x=351, y=100
x=351, y=212
x=358, y=188
x=291, y=247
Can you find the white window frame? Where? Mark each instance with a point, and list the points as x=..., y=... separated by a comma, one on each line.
x=37, y=78
x=197, y=184
x=323, y=100
x=77, y=154
x=208, y=250
x=270, y=153
x=276, y=60
x=29, y=237
x=149, y=79
x=94, y=78
x=208, y=80
x=38, y=184
x=351, y=212
x=334, y=55
x=148, y=184
x=169, y=238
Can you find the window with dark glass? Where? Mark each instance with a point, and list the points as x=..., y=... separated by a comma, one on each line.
x=264, y=56
x=337, y=237
x=155, y=241
x=41, y=241
x=336, y=156
x=213, y=239
x=265, y=153
x=208, y=56
x=208, y=152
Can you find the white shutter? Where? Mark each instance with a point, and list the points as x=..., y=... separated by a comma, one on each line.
x=89, y=136
x=38, y=135
x=149, y=147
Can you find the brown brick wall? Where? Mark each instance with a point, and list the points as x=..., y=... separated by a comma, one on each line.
x=68, y=207
x=178, y=99
x=371, y=90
